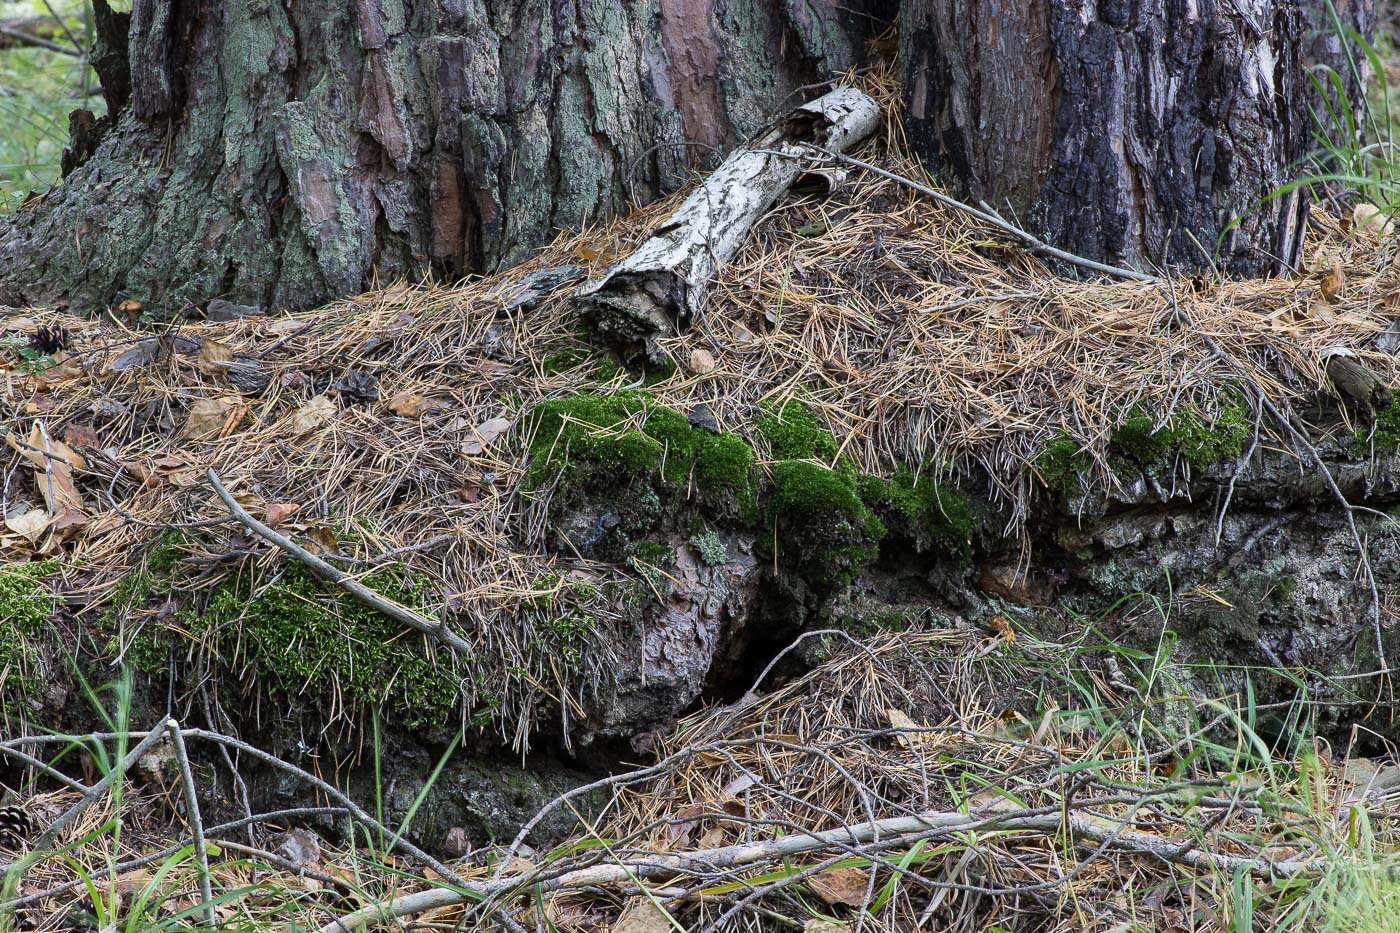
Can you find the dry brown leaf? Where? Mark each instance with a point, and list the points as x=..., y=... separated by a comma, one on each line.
x=184, y=479
x=1371, y=219
x=1334, y=283
x=412, y=405
x=214, y=357
x=312, y=415
x=279, y=512
x=701, y=362
x=213, y=418
x=30, y=525
x=713, y=837
x=64, y=526
x=54, y=474
x=899, y=720
x=642, y=916
x=486, y=434
x=817, y=925
x=320, y=541
x=842, y=886
x=81, y=435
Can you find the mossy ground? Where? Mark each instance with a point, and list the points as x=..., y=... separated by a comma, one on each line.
x=1384, y=437
x=1144, y=443
x=299, y=638
x=25, y=606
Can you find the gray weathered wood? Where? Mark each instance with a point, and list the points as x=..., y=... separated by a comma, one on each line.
x=662, y=284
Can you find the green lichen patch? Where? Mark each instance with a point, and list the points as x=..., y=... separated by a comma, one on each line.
x=918, y=508
x=823, y=530
x=25, y=606
x=710, y=546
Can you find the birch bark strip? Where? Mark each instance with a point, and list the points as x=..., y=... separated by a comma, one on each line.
x=660, y=287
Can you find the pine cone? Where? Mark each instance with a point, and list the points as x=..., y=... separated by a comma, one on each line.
x=16, y=826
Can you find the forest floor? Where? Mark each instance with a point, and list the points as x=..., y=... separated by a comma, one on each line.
x=969, y=778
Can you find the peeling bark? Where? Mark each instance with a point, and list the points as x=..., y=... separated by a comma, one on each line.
x=661, y=286
x=283, y=155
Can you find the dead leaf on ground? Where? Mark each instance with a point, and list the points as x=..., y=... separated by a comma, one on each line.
x=312, y=415
x=642, y=916
x=842, y=886
x=701, y=362
x=279, y=512
x=213, y=418
x=899, y=720
x=81, y=435
x=321, y=541
x=29, y=525
x=412, y=405
x=53, y=463
x=144, y=352
x=214, y=357
x=486, y=434
x=64, y=526
x=1334, y=283
x=817, y=925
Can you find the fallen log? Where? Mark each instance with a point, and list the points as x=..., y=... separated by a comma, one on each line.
x=660, y=287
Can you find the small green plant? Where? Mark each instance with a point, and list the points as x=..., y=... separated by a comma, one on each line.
x=32, y=361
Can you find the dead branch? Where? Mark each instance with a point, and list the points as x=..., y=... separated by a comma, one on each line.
x=661, y=286
x=340, y=578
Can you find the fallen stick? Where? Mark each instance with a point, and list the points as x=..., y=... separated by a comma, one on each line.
x=659, y=288
x=1033, y=243
x=892, y=832
x=340, y=578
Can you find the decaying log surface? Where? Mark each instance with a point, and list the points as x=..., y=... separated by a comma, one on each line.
x=660, y=287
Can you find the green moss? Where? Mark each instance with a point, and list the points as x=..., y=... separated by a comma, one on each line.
x=1064, y=464
x=823, y=527
x=792, y=431
x=710, y=547
x=625, y=449
x=305, y=638
x=25, y=606
x=589, y=429
x=1200, y=441
x=1384, y=437
x=563, y=361
x=1204, y=443
x=654, y=553
x=1140, y=438
x=928, y=513
x=723, y=463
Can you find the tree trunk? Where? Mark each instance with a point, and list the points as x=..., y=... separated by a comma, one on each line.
x=1127, y=131
x=283, y=155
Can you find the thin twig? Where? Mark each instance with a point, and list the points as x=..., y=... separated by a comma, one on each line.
x=182, y=758
x=340, y=578
x=1036, y=244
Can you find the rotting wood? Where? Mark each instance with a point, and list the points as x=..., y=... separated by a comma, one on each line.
x=660, y=287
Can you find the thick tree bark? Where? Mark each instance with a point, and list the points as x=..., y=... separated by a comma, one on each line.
x=283, y=155
x=1128, y=132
